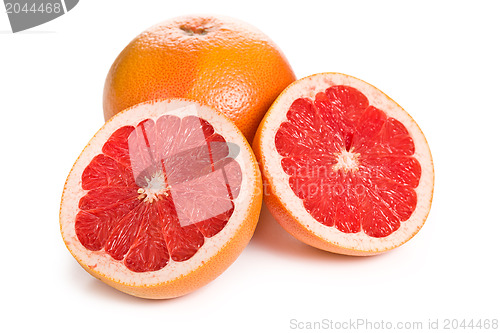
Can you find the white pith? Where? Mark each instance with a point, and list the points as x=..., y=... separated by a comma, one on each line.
x=103, y=263
x=155, y=187
x=279, y=180
x=347, y=161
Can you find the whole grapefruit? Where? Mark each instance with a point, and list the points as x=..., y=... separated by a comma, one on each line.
x=217, y=61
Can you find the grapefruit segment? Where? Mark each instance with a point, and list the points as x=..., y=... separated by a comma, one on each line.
x=106, y=171
x=125, y=231
x=149, y=250
x=214, y=225
x=103, y=197
x=346, y=169
x=156, y=184
x=182, y=242
x=117, y=145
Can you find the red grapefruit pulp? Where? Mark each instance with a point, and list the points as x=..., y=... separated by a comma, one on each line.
x=347, y=169
x=148, y=199
x=144, y=185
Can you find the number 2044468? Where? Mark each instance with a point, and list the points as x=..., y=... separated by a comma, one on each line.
x=48, y=7
x=479, y=324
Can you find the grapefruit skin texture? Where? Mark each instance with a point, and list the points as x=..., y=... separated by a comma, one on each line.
x=287, y=218
x=210, y=268
x=217, y=61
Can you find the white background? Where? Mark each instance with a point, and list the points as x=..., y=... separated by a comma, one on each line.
x=439, y=60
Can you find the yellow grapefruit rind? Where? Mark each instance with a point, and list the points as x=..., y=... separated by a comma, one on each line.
x=214, y=265
x=283, y=212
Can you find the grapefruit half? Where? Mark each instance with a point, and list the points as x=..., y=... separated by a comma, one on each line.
x=162, y=199
x=345, y=168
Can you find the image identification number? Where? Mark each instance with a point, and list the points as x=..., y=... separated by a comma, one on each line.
x=454, y=324
x=48, y=7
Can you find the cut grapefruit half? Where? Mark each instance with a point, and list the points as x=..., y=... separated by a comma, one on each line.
x=162, y=199
x=345, y=168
